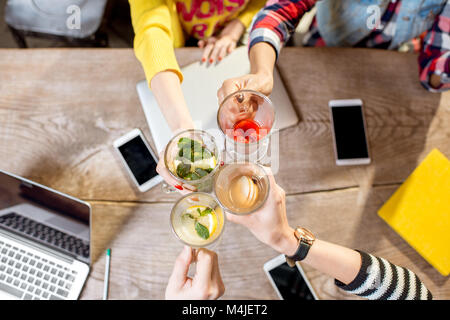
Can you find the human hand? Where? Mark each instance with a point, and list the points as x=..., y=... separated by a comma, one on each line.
x=163, y=171
x=435, y=81
x=262, y=61
x=217, y=48
x=261, y=82
x=269, y=224
x=207, y=282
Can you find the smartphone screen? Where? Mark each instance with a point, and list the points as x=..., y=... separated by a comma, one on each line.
x=139, y=160
x=349, y=132
x=290, y=283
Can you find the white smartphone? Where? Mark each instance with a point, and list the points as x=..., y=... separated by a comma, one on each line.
x=139, y=159
x=289, y=283
x=349, y=132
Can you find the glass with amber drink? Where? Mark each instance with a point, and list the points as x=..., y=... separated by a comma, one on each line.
x=241, y=187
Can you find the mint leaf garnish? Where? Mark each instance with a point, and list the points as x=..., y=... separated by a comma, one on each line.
x=205, y=212
x=201, y=172
x=192, y=176
x=189, y=143
x=188, y=215
x=183, y=169
x=202, y=231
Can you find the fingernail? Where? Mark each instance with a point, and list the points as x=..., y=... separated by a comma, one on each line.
x=179, y=187
x=222, y=163
x=203, y=59
x=211, y=60
x=220, y=58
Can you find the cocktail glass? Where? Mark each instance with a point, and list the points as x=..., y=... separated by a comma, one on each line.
x=193, y=165
x=197, y=220
x=241, y=187
x=246, y=118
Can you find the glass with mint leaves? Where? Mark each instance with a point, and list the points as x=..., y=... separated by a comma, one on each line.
x=192, y=158
x=197, y=220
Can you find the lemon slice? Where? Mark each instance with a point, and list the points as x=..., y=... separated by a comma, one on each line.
x=210, y=222
x=204, y=164
x=193, y=210
x=243, y=192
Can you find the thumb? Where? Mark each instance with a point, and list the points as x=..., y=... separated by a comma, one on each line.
x=181, y=267
x=228, y=87
x=235, y=218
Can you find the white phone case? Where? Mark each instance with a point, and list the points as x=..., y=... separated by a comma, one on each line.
x=124, y=139
x=348, y=162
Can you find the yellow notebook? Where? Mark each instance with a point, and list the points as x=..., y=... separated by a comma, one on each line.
x=420, y=210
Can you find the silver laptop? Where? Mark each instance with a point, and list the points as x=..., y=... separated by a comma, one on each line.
x=200, y=86
x=44, y=241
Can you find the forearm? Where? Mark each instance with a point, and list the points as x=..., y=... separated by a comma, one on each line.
x=167, y=90
x=275, y=23
x=358, y=273
x=262, y=59
x=336, y=261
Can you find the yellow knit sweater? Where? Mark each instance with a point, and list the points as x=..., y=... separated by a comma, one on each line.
x=162, y=25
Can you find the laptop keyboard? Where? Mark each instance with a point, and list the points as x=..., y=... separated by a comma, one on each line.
x=29, y=276
x=43, y=233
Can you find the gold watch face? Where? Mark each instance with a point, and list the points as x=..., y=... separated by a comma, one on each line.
x=305, y=235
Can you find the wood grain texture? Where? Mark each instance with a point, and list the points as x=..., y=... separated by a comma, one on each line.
x=61, y=110
x=404, y=121
x=144, y=248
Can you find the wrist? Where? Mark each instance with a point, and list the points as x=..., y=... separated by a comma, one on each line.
x=185, y=125
x=286, y=243
x=264, y=81
x=266, y=73
x=435, y=81
x=234, y=29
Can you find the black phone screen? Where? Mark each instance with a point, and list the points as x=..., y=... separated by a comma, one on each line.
x=349, y=132
x=139, y=160
x=290, y=283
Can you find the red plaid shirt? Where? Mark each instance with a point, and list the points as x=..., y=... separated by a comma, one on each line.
x=276, y=22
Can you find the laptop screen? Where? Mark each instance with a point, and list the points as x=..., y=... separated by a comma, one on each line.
x=46, y=216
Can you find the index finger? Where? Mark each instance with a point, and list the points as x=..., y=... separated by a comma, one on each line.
x=181, y=267
x=163, y=171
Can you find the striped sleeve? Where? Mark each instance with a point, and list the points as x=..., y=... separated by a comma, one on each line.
x=275, y=23
x=435, y=56
x=378, y=279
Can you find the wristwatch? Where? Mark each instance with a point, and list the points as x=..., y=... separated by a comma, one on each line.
x=305, y=241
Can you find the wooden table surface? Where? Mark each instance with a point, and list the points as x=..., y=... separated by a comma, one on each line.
x=61, y=109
